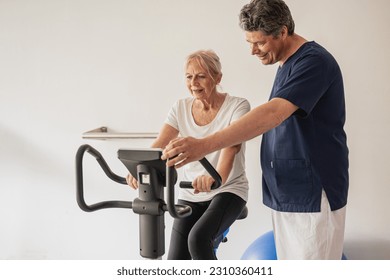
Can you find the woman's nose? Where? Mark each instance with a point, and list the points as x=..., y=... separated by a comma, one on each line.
x=193, y=81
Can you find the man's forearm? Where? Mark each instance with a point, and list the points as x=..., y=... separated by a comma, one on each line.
x=254, y=123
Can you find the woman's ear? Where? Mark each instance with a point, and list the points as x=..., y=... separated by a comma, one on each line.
x=219, y=78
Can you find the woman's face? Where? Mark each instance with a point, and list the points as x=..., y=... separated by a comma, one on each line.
x=199, y=82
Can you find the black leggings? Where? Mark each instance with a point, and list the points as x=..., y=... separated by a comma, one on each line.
x=192, y=237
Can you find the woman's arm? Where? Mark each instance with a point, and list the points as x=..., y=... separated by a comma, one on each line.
x=224, y=167
x=226, y=160
x=167, y=133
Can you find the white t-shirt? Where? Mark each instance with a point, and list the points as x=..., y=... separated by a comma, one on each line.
x=180, y=117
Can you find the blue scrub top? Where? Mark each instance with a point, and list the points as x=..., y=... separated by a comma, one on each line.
x=308, y=151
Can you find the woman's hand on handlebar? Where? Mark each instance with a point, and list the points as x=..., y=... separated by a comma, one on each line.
x=202, y=183
x=131, y=181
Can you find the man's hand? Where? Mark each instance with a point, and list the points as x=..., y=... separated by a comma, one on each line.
x=181, y=151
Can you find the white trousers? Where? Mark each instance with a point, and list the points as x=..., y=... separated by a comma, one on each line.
x=310, y=236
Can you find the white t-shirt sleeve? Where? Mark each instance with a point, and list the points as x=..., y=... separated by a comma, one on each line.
x=241, y=109
x=172, y=118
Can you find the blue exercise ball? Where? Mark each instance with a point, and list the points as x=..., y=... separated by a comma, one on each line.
x=263, y=248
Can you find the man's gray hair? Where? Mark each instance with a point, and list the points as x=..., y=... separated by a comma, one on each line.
x=267, y=16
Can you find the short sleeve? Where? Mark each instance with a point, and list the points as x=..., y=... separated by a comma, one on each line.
x=172, y=118
x=307, y=82
x=242, y=108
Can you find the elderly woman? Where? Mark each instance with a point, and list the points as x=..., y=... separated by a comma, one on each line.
x=206, y=111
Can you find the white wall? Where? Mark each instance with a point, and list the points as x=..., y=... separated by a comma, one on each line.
x=70, y=66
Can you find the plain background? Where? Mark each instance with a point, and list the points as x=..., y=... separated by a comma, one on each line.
x=67, y=67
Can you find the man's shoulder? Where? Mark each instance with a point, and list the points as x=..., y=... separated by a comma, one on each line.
x=313, y=50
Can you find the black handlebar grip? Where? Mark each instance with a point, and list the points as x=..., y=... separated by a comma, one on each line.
x=188, y=185
x=185, y=185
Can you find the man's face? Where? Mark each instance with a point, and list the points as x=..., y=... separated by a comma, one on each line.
x=268, y=48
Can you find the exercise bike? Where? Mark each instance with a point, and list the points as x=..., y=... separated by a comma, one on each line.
x=153, y=175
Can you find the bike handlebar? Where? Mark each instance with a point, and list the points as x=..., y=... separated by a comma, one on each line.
x=175, y=210
x=80, y=184
x=186, y=210
x=211, y=170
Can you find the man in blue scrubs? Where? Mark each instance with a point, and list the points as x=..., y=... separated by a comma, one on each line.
x=304, y=154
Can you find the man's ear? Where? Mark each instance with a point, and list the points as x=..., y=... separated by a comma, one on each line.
x=284, y=32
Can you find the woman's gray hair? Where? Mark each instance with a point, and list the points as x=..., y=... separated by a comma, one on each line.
x=267, y=16
x=208, y=60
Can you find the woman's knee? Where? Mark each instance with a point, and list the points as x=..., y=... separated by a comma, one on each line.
x=200, y=245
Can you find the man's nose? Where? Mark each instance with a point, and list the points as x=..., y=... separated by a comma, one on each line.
x=254, y=49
